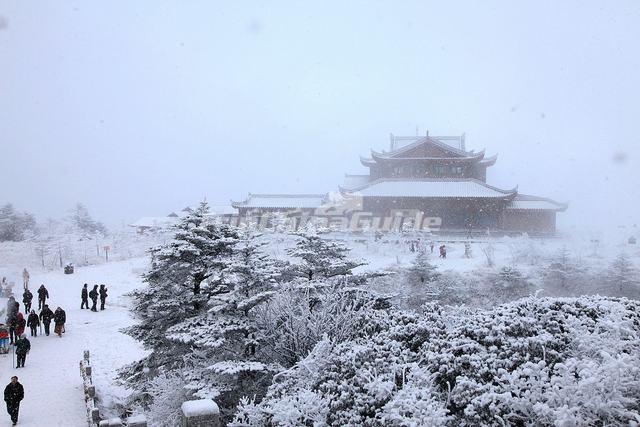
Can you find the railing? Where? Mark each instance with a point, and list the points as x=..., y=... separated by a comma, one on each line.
x=93, y=413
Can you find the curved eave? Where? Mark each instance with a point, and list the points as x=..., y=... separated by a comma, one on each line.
x=367, y=162
x=507, y=195
x=489, y=161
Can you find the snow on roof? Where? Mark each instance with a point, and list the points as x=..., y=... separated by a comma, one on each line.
x=432, y=188
x=198, y=408
x=288, y=201
x=526, y=202
x=222, y=210
x=354, y=181
x=155, y=221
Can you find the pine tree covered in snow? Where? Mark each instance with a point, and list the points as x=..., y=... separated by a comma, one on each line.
x=321, y=258
x=179, y=283
x=510, y=284
x=421, y=270
x=623, y=277
x=563, y=275
x=15, y=226
x=229, y=361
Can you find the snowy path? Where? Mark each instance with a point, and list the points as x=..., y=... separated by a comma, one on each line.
x=51, y=378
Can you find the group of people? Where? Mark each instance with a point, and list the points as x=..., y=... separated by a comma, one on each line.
x=13, y=332
x=93, y=294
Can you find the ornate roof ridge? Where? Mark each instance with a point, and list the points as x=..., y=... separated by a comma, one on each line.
x=375, y=155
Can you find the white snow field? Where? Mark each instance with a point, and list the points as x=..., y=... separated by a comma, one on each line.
x=51, y=377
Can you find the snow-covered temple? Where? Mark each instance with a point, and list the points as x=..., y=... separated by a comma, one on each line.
x=434, y=176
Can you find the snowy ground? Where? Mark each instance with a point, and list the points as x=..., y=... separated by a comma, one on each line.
x=51, y=378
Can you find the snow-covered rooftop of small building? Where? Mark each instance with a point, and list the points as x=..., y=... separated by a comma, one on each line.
x=222, y=210
x=526, y=202
x=155, y=221
x=284, y=201
x=354, y=181
x=432, y=188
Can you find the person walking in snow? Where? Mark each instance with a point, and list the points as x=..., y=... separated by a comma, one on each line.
x=22, y=323
x=59, y=318
x=13, y=394
x=27, y=297
x=12, y=323
x=103, y=296
x=85, y=297
x=33, y=322
x=25, y=278
x=11, y=307
x=46, y=315
x=23, y=346
x=94, y=297
x=43, y=294
x=443, y=251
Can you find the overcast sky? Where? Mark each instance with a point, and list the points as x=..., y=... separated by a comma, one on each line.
x=140, y=108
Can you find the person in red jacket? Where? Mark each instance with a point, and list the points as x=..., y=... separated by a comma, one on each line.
x=22, y=323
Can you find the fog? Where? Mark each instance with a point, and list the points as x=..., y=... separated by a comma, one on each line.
x=141, y=108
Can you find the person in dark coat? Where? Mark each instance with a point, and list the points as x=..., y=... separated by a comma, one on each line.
x=27, y=297
x=23, y=345
x=46, y=315
x=59, y=318
x=12, y=322
x=33, y=322
x=43, y=294
x=11, y=307
x=94, y=297
x=85, y=297
x=13, y=394
x=103, y=296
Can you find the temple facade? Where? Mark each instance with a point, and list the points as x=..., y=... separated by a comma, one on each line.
x=431, y=180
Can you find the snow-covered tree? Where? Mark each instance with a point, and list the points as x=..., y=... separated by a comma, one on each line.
x=623, y=277
x=184, y=273
x=300, y=315
x=321, y=258
x=80, y=219
x=225, y=338
x=15, y=226
x=563, y=275
x=510, y=284
x=421, y=270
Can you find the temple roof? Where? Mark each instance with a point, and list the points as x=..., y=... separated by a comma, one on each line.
x=528, y=202
x=431, y=188
x=427, y=148
x=282, y=201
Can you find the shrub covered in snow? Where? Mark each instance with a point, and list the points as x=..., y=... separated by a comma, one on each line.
x=552, y=361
